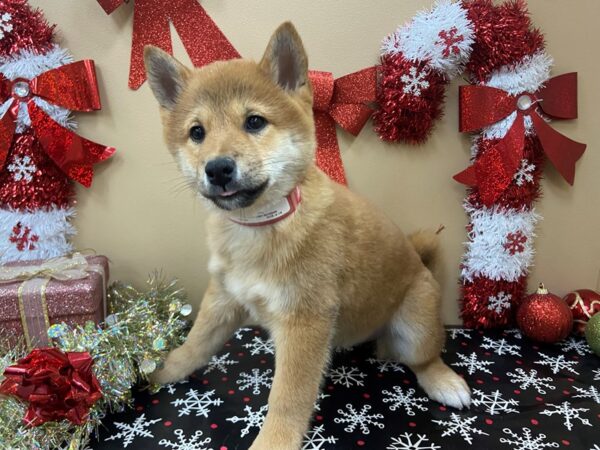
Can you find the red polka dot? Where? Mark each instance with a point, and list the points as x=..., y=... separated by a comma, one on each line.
x=246, y=399
x=571, y=379
x=231, y=392
x=379, y=375
x=479, y=381
x=240, y=353
x=405, y=381
x=214, y=426
x=319, y=417
x=139, y=408
x=365, y=395
x=487, y=353
x=330, y=388
x=539, y=399
x=463, y=343
x=495, y=378
x=223, y=447
x=516, y=391
x=535, y=347
x=519, y=362
x=489, y=421
x=227, y=344
x=575, y=357
x=442, y=408
x=360, y=442
x=353, y=361
x=257, y=332
x=412, y=424
x=224, y=379
x=168, y=423
x=534, y=422
x=204, y=381
x=565, y=442
x=263, y=361
x=565, y=392
x=193, y=375
x=155, y=401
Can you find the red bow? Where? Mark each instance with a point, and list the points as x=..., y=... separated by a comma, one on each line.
x=482, y=106
x=202, y=38
x=72, y=86
x=345, y=102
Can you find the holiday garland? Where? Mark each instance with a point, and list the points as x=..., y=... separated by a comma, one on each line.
x=509, y=101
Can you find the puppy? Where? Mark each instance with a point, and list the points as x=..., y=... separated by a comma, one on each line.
x=292, y=251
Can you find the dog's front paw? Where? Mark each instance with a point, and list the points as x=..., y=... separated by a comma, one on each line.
x=446, y=387
x=178, y=365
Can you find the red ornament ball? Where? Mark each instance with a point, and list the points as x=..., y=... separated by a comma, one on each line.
x=545, y=317
x=584, y=303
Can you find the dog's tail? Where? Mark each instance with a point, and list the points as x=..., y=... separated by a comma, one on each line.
x=427, y=243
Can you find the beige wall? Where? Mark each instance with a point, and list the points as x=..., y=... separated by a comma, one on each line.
x=138, y=214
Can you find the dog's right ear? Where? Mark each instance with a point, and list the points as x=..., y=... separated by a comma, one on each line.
x=166, y=75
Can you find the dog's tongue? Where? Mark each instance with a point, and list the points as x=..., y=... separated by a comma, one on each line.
x=227, y=193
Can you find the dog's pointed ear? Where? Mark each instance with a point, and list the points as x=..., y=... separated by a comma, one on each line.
x=166, y=75
x=285, y=60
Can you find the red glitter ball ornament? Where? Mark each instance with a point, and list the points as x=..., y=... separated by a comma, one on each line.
x=584, y=303
x=545, y=317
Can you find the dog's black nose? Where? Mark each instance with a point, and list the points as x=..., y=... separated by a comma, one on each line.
x=219, y=171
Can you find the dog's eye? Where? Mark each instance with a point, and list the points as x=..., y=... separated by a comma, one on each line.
x=254, y=124
x=197, y=133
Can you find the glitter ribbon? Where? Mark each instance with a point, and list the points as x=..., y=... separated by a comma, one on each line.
x=344, y=101
x=201, y=37
x=482, y=106
x=72, y=86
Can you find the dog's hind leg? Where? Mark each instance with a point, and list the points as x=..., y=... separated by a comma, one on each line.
x=415, y=336
x=217, y=319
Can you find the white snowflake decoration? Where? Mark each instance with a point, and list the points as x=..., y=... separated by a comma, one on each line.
x=592, y=393
x=595, y=447
x=171, y=387
x=5, y=25
x=524, y=174
x=472, y=363
x=239, y=333
x=464, y=332
x=255, y=380
x=540, y=384
x=501, y=347
x=347, y=376
x=556, y=363
x=460, y=425
x=130, y=431
x=193, y=443
x=320, y=397
x=526, y=441
x=260, y=346
x=252, y=419
x=576, y=344
x=383, y=365
x=414, y=82
x=408, y=401
x=515, y=332
x=494, y=403
x=360, y=419
x=596, y=374
x=193, y=402
x=568, y=412
x=220, y=363
x=498, y=303
x=22, y=168
x=406, y=442
x=315, y=439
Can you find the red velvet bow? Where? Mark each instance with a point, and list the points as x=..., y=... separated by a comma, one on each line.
x=56, y=385
x=343, y=101
x=482, y=106
x=72, y=86
x=201, y=37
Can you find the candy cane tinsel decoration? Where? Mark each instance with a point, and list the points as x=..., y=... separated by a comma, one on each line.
x=509, y=102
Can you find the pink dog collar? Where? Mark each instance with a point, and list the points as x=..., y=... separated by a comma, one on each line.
x=272, y=213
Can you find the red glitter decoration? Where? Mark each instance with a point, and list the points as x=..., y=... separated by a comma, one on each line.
x=449, y=39
x=545, y=317
x=22, y=238
x=29, y=29
x=584, y=304
x=515, y=242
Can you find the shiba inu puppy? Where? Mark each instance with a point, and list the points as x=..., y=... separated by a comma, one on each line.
x=292, y=251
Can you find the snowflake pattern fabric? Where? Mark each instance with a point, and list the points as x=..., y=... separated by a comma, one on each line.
x=526, y=396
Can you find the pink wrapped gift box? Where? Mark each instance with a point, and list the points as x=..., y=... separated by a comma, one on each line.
x=24, y=302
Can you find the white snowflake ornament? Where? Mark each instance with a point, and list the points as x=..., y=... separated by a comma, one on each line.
x=524, y=174
x=22, y=168
x=498, y=303
x=414, y=82
x=5, y=24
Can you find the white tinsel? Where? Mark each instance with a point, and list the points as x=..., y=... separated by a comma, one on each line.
x=486, y=254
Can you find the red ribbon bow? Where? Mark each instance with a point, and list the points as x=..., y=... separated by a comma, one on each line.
x=201, y=37
x=56, y=385
x=343, y=101
x=482, y=106
x=72, y=86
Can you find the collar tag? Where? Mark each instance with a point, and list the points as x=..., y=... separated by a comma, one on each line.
x=272, y=213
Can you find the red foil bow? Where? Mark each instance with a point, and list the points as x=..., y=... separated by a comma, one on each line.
x=72, y=86
x=56, y=385
x=201, y=37
x=482, y=106
x=343, y=101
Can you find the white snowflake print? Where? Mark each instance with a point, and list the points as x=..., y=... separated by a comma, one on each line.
x=414, y=82
x=315, y=439
x=515, y=332
x=171, y=387
x=199, y=404
x=220, y=363
x=260, y=346
x=252, y=418
x=5, y=25
x=576, y=344
x=524, y=174
x=193, y=443
x=498, y=303
x=455, y=332
x=526, y=441
x=460, y=425
x=472, y=363
x=500, y=347
x=568, y=412
x=130, y=431
x=406, y=442
x=255, y=380
x=556, y=363
x=592, y=393
x=320, y=397
x=239, y=333
x=540, y=384
x=22, y=168
x=595, y=447
x=596, y=374
x=494, y=403
x=360, y=419
x=383, y=365
x=408, y=401
x=347, y=376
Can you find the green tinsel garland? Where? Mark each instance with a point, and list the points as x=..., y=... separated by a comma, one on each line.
x=141, y=328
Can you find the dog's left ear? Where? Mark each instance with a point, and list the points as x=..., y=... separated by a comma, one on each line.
x=285, y=60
